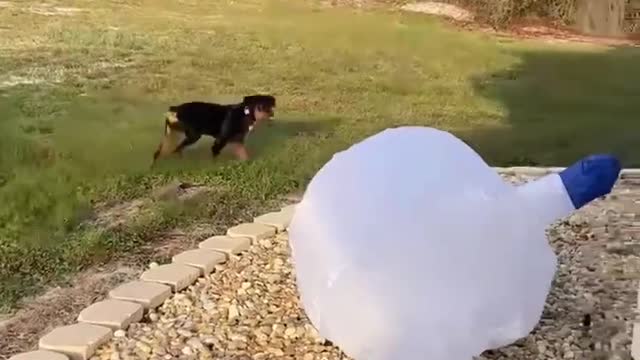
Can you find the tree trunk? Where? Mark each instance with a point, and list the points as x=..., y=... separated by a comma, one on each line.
x=601, y=17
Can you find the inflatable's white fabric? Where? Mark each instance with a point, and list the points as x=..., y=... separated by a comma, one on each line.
x=409, y=246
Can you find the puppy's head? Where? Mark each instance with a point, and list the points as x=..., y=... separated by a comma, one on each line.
x=262, y=106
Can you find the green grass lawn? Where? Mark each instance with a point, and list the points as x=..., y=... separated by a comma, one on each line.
x=82, y=127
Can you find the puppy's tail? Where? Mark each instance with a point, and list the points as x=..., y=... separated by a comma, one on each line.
x=167, y=124
x=168, y=140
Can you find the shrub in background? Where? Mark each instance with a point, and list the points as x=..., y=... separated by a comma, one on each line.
x=500, y=13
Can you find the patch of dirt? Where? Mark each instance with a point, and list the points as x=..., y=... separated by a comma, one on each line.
x=463, y=18
x=48, y=10
x=557, y=35
x=13, y=80
x=362, y=4
x=45, y=9
x=112, y=216
x=440, y=9
x=54, y=75
x=534, y=29
x=115, y=216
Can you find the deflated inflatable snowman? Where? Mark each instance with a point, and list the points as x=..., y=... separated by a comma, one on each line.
x=409, y=246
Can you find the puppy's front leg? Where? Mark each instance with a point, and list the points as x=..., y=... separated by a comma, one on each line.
x=218, y=144
x=188, y=140
x=240, y=151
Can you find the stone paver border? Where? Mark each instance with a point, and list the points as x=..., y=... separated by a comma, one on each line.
x=40, y=355
x=111, y=313
x=81, y=340
x=148, y=294
x=177, y=276
x=78, y=341
x=539, y=171
x=226, y=244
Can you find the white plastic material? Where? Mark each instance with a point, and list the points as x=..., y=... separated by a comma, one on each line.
x=409, y=246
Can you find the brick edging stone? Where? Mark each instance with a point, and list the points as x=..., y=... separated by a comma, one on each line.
x=539, y=171
x=125, y=304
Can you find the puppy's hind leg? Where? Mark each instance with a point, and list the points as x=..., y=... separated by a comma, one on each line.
x=161, y=151
x=167, y=145
x=156, y=155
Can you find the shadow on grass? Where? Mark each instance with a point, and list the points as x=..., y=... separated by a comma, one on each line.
x=272, y=137
x=561, y=106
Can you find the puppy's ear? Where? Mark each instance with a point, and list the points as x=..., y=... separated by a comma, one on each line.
x=260, y=99
x=249, y=99
x=271, y=100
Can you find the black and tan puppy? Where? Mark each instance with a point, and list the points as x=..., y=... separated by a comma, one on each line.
x=229, y=124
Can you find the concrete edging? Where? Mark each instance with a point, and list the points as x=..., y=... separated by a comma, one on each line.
x=74, y=342
x=539, y=171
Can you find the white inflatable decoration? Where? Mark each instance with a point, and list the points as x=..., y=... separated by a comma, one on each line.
x=409, y=246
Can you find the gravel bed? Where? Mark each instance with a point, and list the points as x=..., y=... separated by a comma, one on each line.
x=248, y=308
